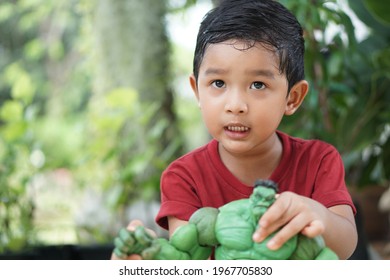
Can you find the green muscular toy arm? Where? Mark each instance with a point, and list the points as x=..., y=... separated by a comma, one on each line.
x=312, y=249
x=191, y=241
x=186, y=239
x=205, y=220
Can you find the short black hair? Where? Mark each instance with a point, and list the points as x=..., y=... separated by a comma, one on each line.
x=255, y=21
x=266, y=184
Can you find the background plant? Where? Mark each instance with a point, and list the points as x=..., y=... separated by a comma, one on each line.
x=348, y=100
x=16, y=166
x=89, y=90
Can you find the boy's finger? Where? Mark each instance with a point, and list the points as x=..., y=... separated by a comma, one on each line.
x=289, y=230
x=314, y=229
x=134, y=224
x=131, y=257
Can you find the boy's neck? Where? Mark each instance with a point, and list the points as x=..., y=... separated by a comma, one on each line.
x=260, y=165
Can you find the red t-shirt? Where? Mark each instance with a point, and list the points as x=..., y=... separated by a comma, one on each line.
x=200, y=179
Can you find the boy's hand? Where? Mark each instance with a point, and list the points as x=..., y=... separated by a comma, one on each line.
x=131, y=227
x=290, y=214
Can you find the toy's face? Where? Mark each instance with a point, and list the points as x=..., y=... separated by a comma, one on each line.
x=261, y=199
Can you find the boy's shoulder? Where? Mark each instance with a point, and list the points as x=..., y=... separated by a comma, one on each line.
x=301, y=141
x=295, y=144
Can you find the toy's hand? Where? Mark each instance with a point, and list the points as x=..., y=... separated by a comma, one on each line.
x=292, y=214
x=131, y=241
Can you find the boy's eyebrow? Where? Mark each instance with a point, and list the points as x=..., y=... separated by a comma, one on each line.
x=262, y=72
x=256, y=72
x=211, y=71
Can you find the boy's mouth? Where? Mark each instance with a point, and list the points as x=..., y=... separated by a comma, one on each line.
x=237, y=128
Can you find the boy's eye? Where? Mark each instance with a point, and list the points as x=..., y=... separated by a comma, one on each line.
x=218, y=83
x=257, y=85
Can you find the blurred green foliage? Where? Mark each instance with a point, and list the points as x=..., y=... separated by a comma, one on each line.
x=348, y=101
x=40, y=83
x=16, y=207
x=57, y=112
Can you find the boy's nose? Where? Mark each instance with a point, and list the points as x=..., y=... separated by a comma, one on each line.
x=235, y=104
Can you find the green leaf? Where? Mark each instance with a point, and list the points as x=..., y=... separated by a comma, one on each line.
x=13, y=131
x=335, y=63
x=12, y=111
x=380, y=10
x=23, y=89
x=6, y=11
x=34, y=49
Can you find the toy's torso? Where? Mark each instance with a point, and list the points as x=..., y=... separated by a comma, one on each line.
x=234, y=229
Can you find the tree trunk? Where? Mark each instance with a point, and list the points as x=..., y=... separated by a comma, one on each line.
x=135, y=53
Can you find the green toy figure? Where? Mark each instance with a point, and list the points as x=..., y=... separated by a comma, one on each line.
x=229, y=230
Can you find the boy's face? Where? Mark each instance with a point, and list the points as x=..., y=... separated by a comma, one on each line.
x=243, y=96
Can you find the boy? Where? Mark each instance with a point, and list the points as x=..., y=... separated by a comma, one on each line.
x=247, y=74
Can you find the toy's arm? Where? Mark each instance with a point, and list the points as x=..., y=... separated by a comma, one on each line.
x=312, y=249
x=205, y=220
x=183, y=244
x=191, y=241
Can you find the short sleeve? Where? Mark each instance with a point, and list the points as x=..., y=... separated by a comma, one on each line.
x=329, y=187
x=178, y=197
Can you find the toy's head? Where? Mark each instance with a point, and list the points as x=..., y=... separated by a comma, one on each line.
x=263, y=196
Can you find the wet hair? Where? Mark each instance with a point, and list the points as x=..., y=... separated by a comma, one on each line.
x=266, y=22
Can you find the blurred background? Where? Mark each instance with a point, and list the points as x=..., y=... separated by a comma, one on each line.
x=95, y=103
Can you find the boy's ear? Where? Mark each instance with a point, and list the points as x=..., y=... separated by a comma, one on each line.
x=295, y=97
x=194, y=86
